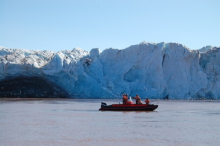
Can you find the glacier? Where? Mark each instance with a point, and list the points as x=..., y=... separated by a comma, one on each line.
x=153, y=70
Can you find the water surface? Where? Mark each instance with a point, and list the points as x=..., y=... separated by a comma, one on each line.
x=52, y=122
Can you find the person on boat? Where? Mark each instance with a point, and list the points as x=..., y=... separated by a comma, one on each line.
x=147, y=101
x=138, y=99
x=125, y=98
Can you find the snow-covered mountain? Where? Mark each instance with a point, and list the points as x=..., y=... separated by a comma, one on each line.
x=154, y=70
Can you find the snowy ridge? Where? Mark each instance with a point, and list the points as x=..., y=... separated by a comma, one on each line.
x=205, y=49
x=162, y=70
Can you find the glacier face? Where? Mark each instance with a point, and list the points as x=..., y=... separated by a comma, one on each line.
x=154, y=70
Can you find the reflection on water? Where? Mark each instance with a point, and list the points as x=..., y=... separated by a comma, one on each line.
x=79, y=122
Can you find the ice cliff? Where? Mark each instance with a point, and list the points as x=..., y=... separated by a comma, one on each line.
x=162, y=70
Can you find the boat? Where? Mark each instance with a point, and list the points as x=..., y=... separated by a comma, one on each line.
x=130, y=106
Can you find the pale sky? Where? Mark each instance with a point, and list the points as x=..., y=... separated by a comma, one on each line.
x=65, y=24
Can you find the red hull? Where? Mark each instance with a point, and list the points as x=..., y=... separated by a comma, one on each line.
x=128, y=107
